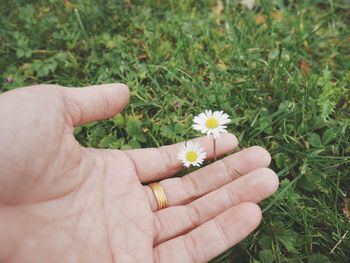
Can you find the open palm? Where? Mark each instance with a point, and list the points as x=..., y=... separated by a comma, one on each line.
x=66, y=203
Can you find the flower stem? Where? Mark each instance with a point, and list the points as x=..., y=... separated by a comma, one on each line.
x=214, y=142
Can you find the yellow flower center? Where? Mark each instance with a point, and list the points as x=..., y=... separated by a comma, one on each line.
x=212, y=123
x=191, y=156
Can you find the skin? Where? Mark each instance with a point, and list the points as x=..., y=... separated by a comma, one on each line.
x=61, y=202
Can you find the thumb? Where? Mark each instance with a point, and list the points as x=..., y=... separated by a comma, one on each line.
x=95, y=103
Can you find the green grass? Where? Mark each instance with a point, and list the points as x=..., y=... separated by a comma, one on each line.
x=285, y=81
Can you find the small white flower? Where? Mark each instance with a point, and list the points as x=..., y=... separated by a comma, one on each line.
x=248, y=3
x=191, y=154
x=211, y=122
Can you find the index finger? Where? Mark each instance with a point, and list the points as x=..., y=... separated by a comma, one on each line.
x=158, y=163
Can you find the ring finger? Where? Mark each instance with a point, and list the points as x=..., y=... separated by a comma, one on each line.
x=254, y=187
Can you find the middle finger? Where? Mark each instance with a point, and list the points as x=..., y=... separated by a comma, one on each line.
x=183, y=190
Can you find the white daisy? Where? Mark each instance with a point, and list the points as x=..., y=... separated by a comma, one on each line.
x=248, y=4
x=211, y=122
x=191, y=154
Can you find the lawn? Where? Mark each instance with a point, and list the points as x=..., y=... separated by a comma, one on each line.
x=280, y=70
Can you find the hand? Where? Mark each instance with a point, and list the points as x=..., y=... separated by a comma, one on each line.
x=66, y=203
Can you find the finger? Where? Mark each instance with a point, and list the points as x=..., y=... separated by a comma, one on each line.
x=158, y=163
x=95, y=103
x=254, y=187
x=182, y=190
x=211, y=238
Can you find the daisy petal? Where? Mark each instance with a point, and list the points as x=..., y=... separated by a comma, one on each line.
x=191, y=154
x=213, y=127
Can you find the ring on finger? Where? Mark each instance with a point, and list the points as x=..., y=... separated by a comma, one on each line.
x=160, y=195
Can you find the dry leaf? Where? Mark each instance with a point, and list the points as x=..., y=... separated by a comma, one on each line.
x=277, y=16
x=69, y=5
x=222, y=65
x=346, y=212
x=218, y=8
x=128, y=2
x=260, y=19
x=304, y=67
x=346, y=208
x=143, y=57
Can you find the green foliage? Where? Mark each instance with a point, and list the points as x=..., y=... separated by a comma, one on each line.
x=317, y=258
x=281, y=71
x=266, y=256
x=22, y=46
x=330, y=94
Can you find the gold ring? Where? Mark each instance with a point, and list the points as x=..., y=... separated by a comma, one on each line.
x=159, y=193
